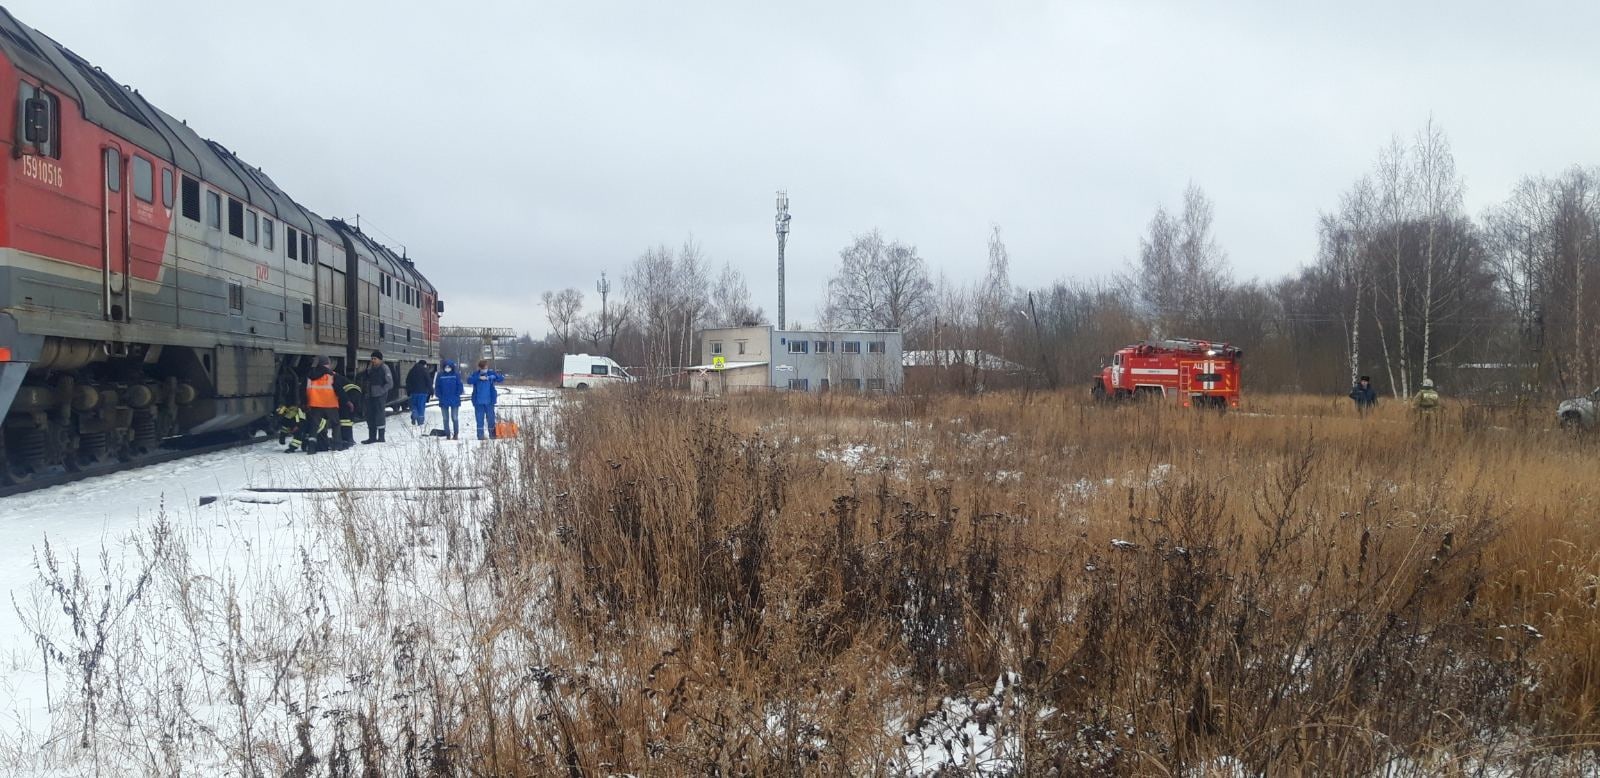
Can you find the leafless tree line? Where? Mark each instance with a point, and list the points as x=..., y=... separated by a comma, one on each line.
x=668, y=296
x=1405, y=286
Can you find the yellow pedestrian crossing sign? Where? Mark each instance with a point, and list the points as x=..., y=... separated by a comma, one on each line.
x=719, y=362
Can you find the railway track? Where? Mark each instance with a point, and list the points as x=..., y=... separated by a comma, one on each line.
x=171, y=453
x=160, y=456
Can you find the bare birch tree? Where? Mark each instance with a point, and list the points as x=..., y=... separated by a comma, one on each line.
x=1396, y=194
x=1438, y=190
x=995, y=298
x=879, y=285
x=730, y=301
x=563, y=310
x=668, y=295
x=1183, y=272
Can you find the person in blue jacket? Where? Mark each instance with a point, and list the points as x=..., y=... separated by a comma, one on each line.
x=447, y=388
x=482, y=382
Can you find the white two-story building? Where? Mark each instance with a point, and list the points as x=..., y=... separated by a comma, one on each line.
x=760, y=357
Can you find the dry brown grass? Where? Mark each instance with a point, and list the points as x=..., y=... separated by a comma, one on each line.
x=786, y=585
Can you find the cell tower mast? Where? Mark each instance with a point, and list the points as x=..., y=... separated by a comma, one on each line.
x=783, y=238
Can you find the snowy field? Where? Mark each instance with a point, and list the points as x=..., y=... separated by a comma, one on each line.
x=139, y=594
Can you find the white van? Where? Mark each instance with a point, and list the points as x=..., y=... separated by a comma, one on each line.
x=582, y=371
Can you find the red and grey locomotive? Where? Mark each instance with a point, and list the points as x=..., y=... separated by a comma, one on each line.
x=154, y=285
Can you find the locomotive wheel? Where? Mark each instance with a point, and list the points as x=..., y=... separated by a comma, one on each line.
x=14, y=473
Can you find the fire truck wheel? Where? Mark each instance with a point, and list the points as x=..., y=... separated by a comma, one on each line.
x=1098, y=392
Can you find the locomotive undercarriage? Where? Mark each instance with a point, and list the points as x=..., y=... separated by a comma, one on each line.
x=84, y=404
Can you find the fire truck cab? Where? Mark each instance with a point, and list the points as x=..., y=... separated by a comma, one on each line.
x=1191, y=372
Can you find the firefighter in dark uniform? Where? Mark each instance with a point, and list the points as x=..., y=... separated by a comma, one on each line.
x=350, y=408
x=322, y=405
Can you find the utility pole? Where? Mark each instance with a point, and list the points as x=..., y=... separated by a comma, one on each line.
x=783, y=238
x=604, y=288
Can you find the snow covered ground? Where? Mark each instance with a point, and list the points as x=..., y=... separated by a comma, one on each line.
x=248, y=565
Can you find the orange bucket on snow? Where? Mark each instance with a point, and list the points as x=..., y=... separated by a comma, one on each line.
x=505, y=429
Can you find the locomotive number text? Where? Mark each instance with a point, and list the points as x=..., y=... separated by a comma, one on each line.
x=40, y=170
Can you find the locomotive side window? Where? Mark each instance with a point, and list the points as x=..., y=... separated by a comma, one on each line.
x=214, y=210
x=252, y=227
x=305, y=248
x=191, y=199
x=235, y=218
x=291, y=237
x=113, y=170
x=41, y=114
x=144, y=180
x=236, y=298
x=266, y=233
x=305, y=313
x=166, y=188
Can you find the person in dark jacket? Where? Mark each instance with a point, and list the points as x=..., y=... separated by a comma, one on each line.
x=419, y=386
x=321, y=403
x=1364, y=395
x=482, y=382
x=350, y=409
x=377, y=381
x=447, y=387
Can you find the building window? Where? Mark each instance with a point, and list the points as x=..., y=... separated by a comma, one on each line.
x=824, y=347
x=799, y=346
x=853, y=384
x=266, y=233
x=291, y=236
x=740, y=344
x=850, y=347
x=236, y=298
x=874, y=347
x=252, y=227
x=144, y=180
x=716, y=347
x=305, y=314
x=214, y=210
x=874, y=384
x=166, y=188
x=822, y=385
x=191, y=199
x=798, y=384
x=113, y=170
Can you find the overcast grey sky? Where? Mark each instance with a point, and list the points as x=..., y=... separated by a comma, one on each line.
x=516, y=147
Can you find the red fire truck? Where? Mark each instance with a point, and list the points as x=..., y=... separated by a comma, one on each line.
x=1192, y=372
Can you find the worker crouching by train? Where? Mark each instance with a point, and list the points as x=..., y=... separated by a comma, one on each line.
x=378, y=381
x=290, y=419
x=321, y=406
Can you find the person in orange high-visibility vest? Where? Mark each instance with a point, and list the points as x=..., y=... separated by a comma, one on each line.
x=321, y=405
